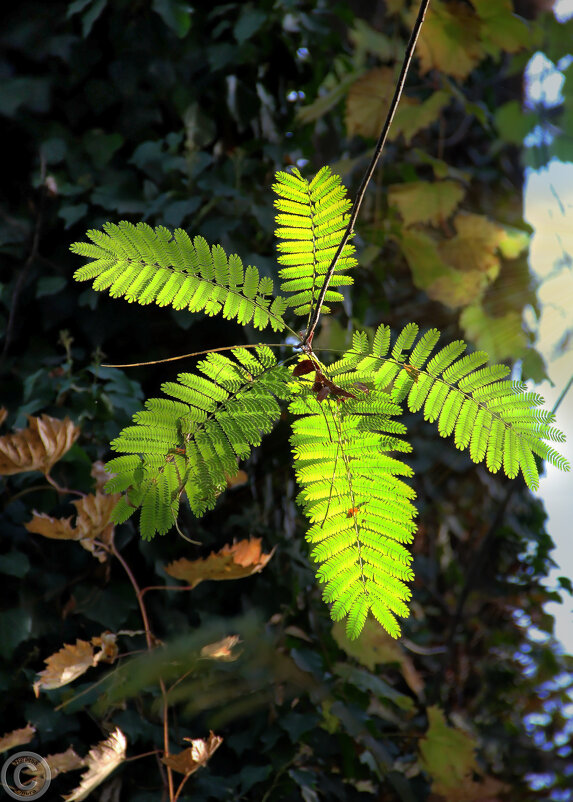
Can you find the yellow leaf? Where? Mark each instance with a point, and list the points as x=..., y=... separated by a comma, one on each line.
x=197, y=755
x=425, y=201
x=457, y=288
x=421, y=252
x=413, y=116
x=368, y=101
x=474, y=246
x=17, y=737
x=449, y=41
x=101, y=761
x=38, y=447
x=375, y=646
x=501, y=337
x=231, y=562
x=447, y=754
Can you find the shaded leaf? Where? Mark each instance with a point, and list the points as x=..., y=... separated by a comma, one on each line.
x=3, y=415
x=449, y=41
x=196, y=756
x=413, y=116
x=101, y=761
x=231, y=562
x=38, y=447
x=426, y=201
x=368, y=101
x=501, y=337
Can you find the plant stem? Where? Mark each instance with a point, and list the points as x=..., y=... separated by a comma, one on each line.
x=307, y=340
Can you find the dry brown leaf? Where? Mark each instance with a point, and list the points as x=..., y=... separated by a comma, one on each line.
x=17, y=738
x=71, y=661
x=240, y=478
x=92, y=523
x=222, y=649
x=38, y=447
x=197, y=755
x=3, y=414
x=99, y=473
x=101, y=761
x=64, y=761
x=231, y=562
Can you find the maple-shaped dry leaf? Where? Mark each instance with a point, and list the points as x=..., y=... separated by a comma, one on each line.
x=221, y=649
x=71, y=661
x=197, y=755
x=449, y=41
x=231, y=562
x=17, y=737
x=426, y=201
x=101, y=761
x=64, y=761
x=38, y=447
x=368, y=101
x=92, y=523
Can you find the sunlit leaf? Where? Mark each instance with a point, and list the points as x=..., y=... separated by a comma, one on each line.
x=17, y=737
x=38, y=447
x=101, y=761
x=64, y=761
x=71, y=661
x=222, y=649
x=196, y=756
x=231, y=562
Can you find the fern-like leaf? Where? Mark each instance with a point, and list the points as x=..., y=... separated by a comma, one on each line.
x=190, y=441
x=311, y=223
x=492, y=416
x=145, y=265
x=360, y=509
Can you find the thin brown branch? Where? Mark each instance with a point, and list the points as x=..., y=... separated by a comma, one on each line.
x=307, y=340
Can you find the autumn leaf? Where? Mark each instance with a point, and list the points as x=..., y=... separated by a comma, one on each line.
x=448, y=756
x=368, y=101
x=38, y=447
x=93, y=522
x=71, y=661
x=449, y=41
x=222, y=649
x=375, y=646
x=474, y=246
x=197, y=755
x=240, y=478
x=414, y=115
x=3, y=415
x=500, y=28
x=101, y=761
x=231, y=562
x=17, y=737
x=425, y=201
x=64, y=761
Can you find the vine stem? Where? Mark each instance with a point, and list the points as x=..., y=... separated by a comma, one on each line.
x=150, y=646
x=307, y=340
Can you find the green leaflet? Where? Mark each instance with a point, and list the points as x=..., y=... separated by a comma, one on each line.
x=190, y=442
x=345, y=431
x=495, y=418
x=360, y=509
x=311, y=223
x=147, y=264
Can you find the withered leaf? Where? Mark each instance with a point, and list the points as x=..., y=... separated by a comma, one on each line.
x=3, y=415
x=71, y=661
x=231, y=562
x=306, y=366
x=38, y=447
x=197, y=755
x=17, y=737
x=101, y=761
x=92, y=523
x=222, y=649
x=64, y=761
